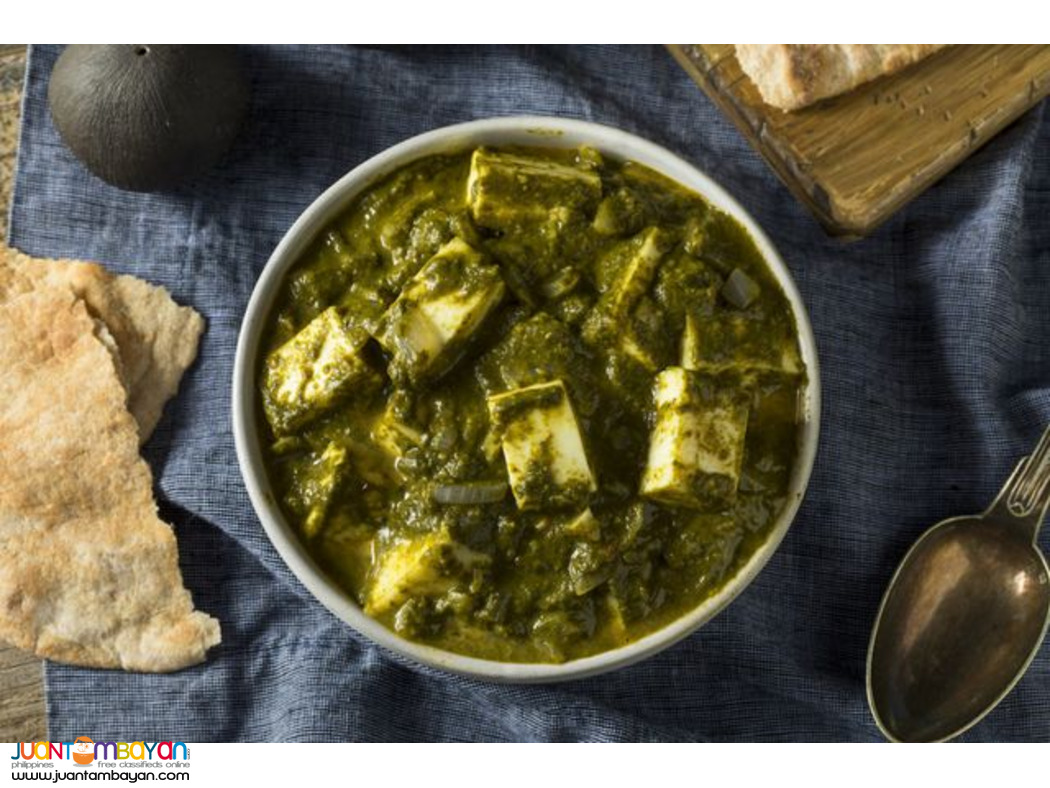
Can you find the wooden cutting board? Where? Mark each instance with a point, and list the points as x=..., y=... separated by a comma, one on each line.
x=856, y=158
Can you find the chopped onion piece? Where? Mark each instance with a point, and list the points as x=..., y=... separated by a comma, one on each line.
x=407, y=465
x=740, y=290
x=562, y=283
x=474, y=493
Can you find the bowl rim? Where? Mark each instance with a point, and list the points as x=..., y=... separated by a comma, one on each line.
x=519, y=129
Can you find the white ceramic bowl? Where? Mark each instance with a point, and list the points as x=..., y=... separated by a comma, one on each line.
x=535, y=131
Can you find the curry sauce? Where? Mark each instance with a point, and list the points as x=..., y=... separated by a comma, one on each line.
x=530, y=404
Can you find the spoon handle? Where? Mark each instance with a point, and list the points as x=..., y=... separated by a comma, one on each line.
x=1025, y=498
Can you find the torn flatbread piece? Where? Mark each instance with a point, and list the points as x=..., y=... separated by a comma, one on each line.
x=88, y=573
x=792, y=76
x=156, y=338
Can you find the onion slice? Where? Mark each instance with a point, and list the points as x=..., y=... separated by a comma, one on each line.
x=469, y=494
x=740, y=290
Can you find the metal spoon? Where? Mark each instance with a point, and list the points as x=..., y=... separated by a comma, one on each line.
x=964, y=615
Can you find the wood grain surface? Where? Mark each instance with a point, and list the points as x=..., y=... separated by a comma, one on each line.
x=857, y=158
x=22, y=713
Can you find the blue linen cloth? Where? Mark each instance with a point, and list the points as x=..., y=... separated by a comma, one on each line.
x=934, y=339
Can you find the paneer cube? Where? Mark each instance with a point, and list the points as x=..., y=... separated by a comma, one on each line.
x=630, y=349
x=628, y=278
x=585, y=526
x=690, y=354
x=637, y=274
x=507, y=189
x=320, y=484
x=393, y=434
x=542, y=446
x=410, y=568
x=697, y=444
x=313, y=371
x=425, y=566
x=615, y=625
x=733, y=342
x=427, y=328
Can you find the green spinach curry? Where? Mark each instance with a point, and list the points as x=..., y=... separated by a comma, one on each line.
x=530, y=404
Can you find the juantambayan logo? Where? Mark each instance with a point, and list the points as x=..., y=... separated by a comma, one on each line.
x=83, y=751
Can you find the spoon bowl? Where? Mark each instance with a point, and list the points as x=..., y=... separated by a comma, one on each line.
x=964, y=615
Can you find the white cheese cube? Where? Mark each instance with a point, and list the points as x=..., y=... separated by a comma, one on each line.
x=425, y=566
x=417, y=567
x=737, y=343
x=542, y=446
x=690, y=356
x=697, y=444
x=637, y=274
x=313, y=371
x=438, y=311
x=393, y=435
x=504, y=189
x=611, y=318
x=324, y=480
x=636, y=352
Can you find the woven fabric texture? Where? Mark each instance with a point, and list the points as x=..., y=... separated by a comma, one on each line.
x=934, y=342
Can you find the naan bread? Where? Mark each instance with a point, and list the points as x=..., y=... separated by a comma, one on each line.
x=88, y=573
x=157, y=339
x=792, y=76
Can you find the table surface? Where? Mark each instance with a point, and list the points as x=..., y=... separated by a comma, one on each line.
x=22, y=714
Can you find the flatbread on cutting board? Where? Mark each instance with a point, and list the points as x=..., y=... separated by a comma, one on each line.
x=792, y=76
x=88, y=573
x=156, y=338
